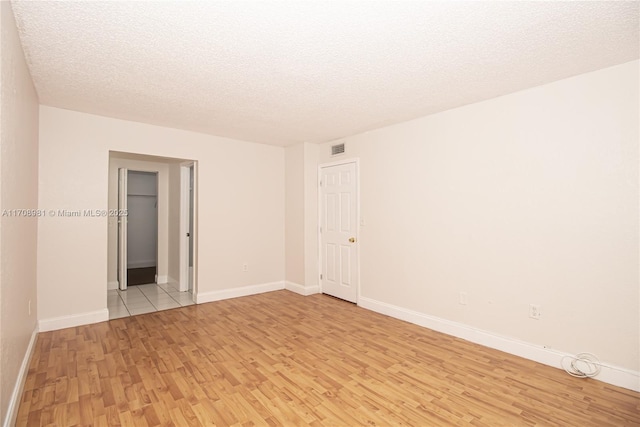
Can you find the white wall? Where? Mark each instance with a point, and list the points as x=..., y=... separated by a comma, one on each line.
x=18, y=190
x=311, y=266
x=294, y=211
x=527, y=198
x=240, y=207
x=301, y=230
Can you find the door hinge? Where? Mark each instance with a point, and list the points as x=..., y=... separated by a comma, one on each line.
x=320, y=183
x=320, y=228
x=321, y=277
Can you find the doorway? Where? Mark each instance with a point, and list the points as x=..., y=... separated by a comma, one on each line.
x=170, y=247
x=339, y=247
x=142, y=235
x=137, y=228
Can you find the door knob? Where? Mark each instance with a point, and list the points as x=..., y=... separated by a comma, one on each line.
x=352, y=239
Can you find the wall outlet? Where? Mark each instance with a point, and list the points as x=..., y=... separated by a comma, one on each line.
x=29, y=307
x=534, y=311
x=245, y=267
x=463, y=298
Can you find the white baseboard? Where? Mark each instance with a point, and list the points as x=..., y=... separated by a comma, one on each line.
x=162, y=279
x=238, y=292
x=610, y=374
x=142, y=264
x=70, y=321
x=113, y=285
x=14, y=401
x=301, y=289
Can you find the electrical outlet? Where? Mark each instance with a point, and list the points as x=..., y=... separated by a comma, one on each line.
x=463, y=298
x=29, y=307
x=534, y=311
x=245, y=267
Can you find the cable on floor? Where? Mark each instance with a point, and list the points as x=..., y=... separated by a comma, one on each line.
x=583, y=365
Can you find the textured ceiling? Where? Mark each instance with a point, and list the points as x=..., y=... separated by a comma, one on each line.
x=281, y=72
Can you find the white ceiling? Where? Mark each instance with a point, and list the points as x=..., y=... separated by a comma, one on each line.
x=282, y=72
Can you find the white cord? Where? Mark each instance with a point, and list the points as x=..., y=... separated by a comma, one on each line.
x=583, y=365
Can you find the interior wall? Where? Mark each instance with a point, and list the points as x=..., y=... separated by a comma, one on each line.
x=162, y=169
x=240, y=206
x=311, y=244
x=301, y=229
x=294, y=214
x=530, y=198
x=18, y=190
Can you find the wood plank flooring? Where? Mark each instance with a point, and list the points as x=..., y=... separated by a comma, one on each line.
x=283, y=359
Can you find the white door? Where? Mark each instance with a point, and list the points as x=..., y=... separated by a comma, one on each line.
x=122, y=228
x=338, y=231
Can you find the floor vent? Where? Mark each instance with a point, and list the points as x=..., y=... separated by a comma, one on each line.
x=337, y=149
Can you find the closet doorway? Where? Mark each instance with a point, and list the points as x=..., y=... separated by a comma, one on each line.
x=142, y=227
x=172, y=225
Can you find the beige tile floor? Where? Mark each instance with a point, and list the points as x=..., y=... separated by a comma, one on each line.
x=142, y=299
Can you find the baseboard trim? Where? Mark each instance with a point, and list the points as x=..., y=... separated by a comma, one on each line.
x=238, y=292
x=14, y=401
x=113, y=285
x=141, y=264
x=70, y=321
x=301, y=289
x=610, y=374
x=162, y=279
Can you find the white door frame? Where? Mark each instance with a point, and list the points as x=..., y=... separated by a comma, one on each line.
x=122, y=228
x=184, y=226
x=356, y=161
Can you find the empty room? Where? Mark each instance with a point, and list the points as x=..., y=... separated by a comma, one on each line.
x=238, y=213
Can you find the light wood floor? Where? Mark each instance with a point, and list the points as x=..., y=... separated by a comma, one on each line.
x=283, y=359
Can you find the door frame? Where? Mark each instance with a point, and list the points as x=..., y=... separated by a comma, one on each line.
x=122, y=262
x=185, y=179
x=356, y=162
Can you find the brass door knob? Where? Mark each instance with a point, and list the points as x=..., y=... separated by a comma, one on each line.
x=352, y=239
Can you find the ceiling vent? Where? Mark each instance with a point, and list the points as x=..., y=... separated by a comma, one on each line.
x=337, y=149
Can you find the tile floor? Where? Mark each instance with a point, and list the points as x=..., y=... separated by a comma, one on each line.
x=142, y=299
